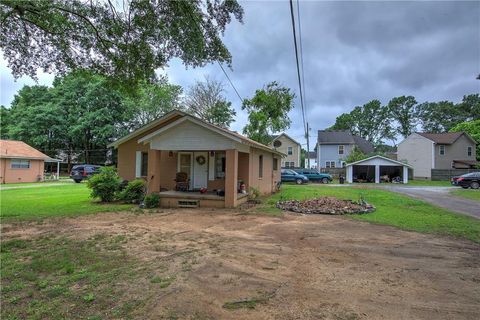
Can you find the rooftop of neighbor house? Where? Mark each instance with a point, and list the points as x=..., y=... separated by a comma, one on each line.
x=344, y=137
x=275, y=136
x=20, y=150
x=443, y=138
x=312, y=155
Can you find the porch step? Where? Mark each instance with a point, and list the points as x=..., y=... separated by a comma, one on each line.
x=188, y=203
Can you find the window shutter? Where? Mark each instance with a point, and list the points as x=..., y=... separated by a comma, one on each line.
x=138, y=164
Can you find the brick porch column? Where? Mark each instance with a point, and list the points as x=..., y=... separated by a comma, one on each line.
x=153, y=178
x=231, y=178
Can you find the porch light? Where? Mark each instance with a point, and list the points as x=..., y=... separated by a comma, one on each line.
x=212, y=153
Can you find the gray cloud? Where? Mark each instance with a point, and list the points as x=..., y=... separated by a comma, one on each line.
x=353, y=52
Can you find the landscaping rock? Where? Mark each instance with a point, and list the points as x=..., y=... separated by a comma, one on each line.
x=326, y=205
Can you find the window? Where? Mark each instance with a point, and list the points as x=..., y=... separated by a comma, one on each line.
x=469, y=151
x=329, y=164
x=144, y=167
x=260, y=166
x=275, y=164
x=20, y=164
x=289, y=151
x=219, y=165
x=441, y=149
x=289, y=164
x=341, y=149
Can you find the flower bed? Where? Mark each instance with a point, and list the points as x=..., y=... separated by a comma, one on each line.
x=326, y=205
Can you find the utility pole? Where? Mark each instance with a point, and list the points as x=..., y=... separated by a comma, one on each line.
x=308, y=146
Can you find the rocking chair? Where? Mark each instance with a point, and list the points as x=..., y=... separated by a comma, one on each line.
x=182, y=181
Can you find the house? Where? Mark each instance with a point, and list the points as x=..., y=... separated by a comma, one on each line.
x=20, y=162
x=334, y=146
x=214, y=158
x=286, y=145
x=374, y=168
x=312, y=156
x=427, y=151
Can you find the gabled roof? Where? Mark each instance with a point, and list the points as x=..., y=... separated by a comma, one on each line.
x=312, y=155
x=20, y=150
x=443, y=138
x=344, y=137
x=275, y=137
x=381, y=157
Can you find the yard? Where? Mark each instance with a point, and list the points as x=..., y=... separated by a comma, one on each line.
x=467, y=194
x=226, y=264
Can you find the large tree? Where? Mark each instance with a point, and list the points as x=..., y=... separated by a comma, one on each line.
x=268, y=112
x=470, y=107
x=403, y=111
x=205, y=99
x=128, y=40
x=440, y=116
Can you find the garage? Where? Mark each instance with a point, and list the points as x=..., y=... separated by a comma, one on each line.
x=377, y=169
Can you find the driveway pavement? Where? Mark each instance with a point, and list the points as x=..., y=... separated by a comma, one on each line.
x=441, y=197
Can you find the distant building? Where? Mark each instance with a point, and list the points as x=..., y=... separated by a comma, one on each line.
x=285, y=144
x=312, y=155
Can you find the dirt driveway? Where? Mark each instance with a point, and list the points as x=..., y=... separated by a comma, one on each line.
x=291, y=267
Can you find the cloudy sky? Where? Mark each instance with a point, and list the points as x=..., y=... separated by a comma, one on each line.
x=353, y=52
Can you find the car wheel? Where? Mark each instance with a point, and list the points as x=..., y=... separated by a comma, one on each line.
x=77, y=181
x=465, y=187
x=299, y=181
x=325, y=180
x=474, y=185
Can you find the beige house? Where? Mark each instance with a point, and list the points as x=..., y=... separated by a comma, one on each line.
x=286, y=145
x=213, y=158
x=427, y=151
x=20, y=162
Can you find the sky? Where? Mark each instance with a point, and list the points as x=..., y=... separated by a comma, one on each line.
x=353, y=52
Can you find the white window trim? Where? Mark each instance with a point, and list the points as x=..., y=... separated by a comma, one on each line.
x=331, y=162
x=290, y=151
x=440, y=150
x=343, y=149
x=20, y=161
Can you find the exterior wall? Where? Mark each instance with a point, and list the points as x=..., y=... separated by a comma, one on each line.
x=417, y=151
x=9, y=175
x=455, y=151
x=243, y=168
x=329, y=152
x=266, y=184
x=287, y=142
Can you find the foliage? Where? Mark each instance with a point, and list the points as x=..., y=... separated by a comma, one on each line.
x=105, y=184
x=205, y=100
x=439, y=116
x=134, y=192
x=152, y=200
x=253, y=193
x=128, y=42
x=268, y=112
x=403, y=111
x=355, y=155
x=470, y=107
x=472, y=128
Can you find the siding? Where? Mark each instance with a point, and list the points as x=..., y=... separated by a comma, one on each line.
x=286, y=142
x=417, y=152
x=329, y=152
x=455, y=151
x=9, y=175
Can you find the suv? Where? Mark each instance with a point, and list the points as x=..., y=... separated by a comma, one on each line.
x=468, y=180
x=288, y=175
x=314, y=175
x=83, y=172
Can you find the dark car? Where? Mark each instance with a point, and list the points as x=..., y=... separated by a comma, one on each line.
x=83, y=172
x=288, y=175
x=314, y=175
x=469, y=180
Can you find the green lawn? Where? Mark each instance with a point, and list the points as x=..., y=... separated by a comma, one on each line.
x=49, y=201
x=429, y=183
x=467, y=193
x=392, y=209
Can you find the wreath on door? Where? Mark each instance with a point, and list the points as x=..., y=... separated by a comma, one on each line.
x=200, y=160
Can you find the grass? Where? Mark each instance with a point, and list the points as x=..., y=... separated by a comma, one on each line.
x=41, y=202
x=429, y=183
x=392, y=209
x=467, y=194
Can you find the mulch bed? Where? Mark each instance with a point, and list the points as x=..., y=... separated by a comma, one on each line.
x=326, y=205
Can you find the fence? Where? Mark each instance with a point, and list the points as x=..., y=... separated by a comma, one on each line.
x=446, y=174
x=335, y=172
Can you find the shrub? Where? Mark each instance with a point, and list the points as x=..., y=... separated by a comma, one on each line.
x=134, y=191
x=105, y=184
x=253, y=193
x=151, y=200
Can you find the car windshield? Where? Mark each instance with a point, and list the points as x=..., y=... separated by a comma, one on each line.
x=287, y=171
x=471, y=175
x=77, y=168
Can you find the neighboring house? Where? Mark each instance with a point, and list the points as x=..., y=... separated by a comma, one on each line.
x=312, y=155
x=334, y=146
x=374, y=168
x=20, y=162
x=427, y=151
x=213, y=158
x=286, y=145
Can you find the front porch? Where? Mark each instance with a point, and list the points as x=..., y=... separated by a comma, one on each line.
x=182, y=199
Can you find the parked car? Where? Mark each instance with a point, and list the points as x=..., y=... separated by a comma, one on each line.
x=83, y=172
x=314, y=175
x=468, y=180
x=288, y=175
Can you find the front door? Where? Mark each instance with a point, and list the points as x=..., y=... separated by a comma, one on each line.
x=200, y=170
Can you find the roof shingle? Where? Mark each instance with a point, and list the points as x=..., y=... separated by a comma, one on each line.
x=442, y=138
x=19, y=149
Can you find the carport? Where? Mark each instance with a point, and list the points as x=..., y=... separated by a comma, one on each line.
x=371, y=169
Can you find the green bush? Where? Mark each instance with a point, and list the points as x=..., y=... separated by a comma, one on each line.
x=152, y=200
x=105, y=184
x=134, y=191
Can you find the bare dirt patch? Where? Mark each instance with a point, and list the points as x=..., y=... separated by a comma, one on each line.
x=221, y=264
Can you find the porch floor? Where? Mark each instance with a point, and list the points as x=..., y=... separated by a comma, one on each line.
x=195, y=195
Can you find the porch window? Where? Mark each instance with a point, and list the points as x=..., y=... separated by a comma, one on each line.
x=144, y=166
x=20, y=164
x=469, y=151
x=260, y=166
x=219, y=165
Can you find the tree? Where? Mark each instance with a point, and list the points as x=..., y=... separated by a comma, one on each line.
x=473, y=129
x=355, y=155
x=439, y=116
x=205, y=100
x=343, y=122
x=127, y=41
x=4, y=122
x=470, y=107
x=151, y=100
x=403, y=110
x=268, y=112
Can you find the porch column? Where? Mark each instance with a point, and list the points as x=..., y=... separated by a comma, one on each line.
x=405, y=174
x=153, y=178
x=231, y=178
x=377, y=174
